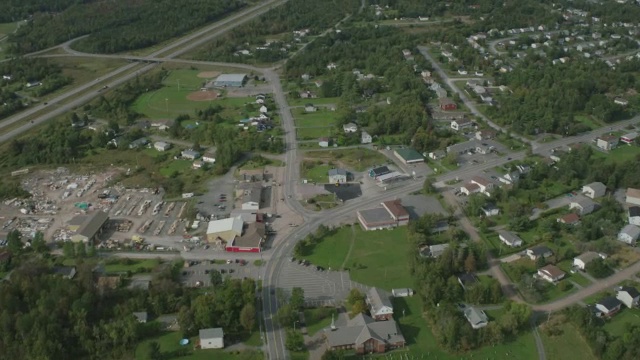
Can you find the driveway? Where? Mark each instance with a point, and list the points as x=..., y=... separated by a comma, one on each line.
x=554, y=203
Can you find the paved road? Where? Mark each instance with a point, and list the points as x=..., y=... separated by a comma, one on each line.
x=81, y=95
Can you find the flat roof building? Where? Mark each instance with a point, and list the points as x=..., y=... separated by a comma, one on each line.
x=409, y=156
x=391, y=214
x=224, y=230
x=230, y=80
x=91, y=227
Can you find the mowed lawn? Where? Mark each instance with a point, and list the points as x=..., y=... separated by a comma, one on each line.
x=568, y=345
x=333, y=249
x=314, y=133
x=623, y=153
x=616, y=325
x=357, y=159
x=7, y=28
x=321, y=117
x=148, y=265
x=319, y=174
x=170, y=348
x=316, y=101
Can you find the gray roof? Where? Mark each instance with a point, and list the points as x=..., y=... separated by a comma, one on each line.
x=588, y=257
x=609, y=302
x=380, y=170
x=334, y=172
x=93, y=223
x=598, y=187
x=509, y=237
x=633, y=292
x=68, y=271
x=231, y=77
x=632, y=230
x=211, y=333
x=437, y=250
x=362, y=328
x=377, y=215
x=584, y=202
x=634, y=211
x=141, y=316
x=539, y=250
x=475, y=316
x=378, y=299
x=254, y=194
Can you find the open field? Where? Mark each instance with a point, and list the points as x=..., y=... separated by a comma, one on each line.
x=568, y=345
x=171, y=349
x=588, y=121
x=314, y=119
x=7, y=28
x=83, y=70
x=333, y=249
x=132, y=265
x=616, y=326
x=356, y=159
x=623, y=154
x=317, y=101
x=313, y=133
x=318, y=173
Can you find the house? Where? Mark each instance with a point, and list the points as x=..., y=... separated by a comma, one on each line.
x=477, y=318
x=380, y=305
x=569, y=219
x=583, y=205
x=91, y=227
x=365, y=138
x=633, y=196
x=467, y=280
x=67, y=272
x=307, y=95
x=607, y=306
x=324, y=142
x=629, y=296
x=485, y=134
x=584, y=259
x=349, y=128
x=629, y=234
x=509, y=238
x=138, y=143
x=365, y=335
x=379, y=171
x=230, y=80
x=470, y=188
x=437, y=250
x=224, y=230
x=490, y=210
x=141, y=316
x=447, y=104
x=458, y=125
x=440, y=93
x=161, y=146
x=212, y=338
x=484, y=184
x=510, y=178
x=251, y=197
x=391, y=214
x=551, y=273
x=621, y=101
x=408, y=156
x=463, y=147
x=629, y=138
x=337, y=176
x=607, y=142
x=209, y=157
x=251, y=239
x=437, y=155
x=189, y=154
x=594, y=190
x=405, y=292
x=263, y=109
x=634, y=215
x=310, y=108
x=537, y=252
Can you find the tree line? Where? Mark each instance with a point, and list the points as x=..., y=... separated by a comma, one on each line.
x=15, y=10
x=117, y=26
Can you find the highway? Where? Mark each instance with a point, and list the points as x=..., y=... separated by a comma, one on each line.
x=83, y=94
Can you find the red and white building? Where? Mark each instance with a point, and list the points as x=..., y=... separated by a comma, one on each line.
x=391, y=214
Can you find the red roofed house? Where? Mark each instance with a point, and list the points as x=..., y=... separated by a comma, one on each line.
x=447, y=104
x=569, y=219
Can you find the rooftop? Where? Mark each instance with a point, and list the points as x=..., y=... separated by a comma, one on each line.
x=378, y=299
x=633, y=292
x=609, y=302
x=230, y=224
x=631, y=230
x=362, y=328
x=597, y=186
x=552, y=270
x=252, y=237
x=376, y=216
x=395, y=208
x=334, y=172
x=211, y=333
x=231, y=77
x=93, y=223
x=570, y=218
x=634, y=211
x=381, y=170
x=409, y=154
x=631, y=192
x=588, y=256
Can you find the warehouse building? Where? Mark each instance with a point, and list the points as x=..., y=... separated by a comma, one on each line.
x=230, y=80
x=92, y=226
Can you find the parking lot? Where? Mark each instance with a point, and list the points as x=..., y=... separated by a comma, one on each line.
x=198, y=274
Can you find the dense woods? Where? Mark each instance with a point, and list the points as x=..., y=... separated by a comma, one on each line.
x=15, y=10
x=117, y=26
x=316, y=16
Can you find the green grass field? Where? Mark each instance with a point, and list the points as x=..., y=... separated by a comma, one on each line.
x=314, y=133
x=133, y=265
x=169, y=347
x=319, y=118
x=617, y=324
x=317, y=101
x=568, y=345
x=356, y=159
x=317, y=173
x=623, y=153
x=175, y=165
x=332, y=251
x=588, y=121
x=7, y=28
x=318, y=319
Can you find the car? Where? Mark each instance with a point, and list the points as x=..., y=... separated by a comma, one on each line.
x=292, y=259
x=184, y=273
x=237, y=261
x=207, y=271
x=229, y=261
x=300, y=262
x=46, y=103
x=273, y=292
x=508, y=158
x=231, y=271
x=223, y=271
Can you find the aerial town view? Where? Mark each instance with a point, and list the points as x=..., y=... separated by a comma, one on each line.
x=322, y=180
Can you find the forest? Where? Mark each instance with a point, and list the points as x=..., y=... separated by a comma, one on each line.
x=20, y=71
x=316, y=16
x=117, y=26
x=16, y=10
x=575, y=88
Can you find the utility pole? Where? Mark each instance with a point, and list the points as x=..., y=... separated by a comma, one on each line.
x=166, y=104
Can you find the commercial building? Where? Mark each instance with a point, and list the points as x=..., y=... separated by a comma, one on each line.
x=408, y=156
x=250, y=241
x=224, y=230
x=391, y=214
x=230, y=80
x=365, y=335
x=251, y=197
x=91, y=227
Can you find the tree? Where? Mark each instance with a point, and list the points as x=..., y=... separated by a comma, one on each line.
x=69, y=250
x=81, y=250
x=295, y=341
x=14, y=241
x=38, y=244
x=286, y=315
x=333, y=355
x=297, y=298
x=541, y=262
x=153, y=351
x=428, y=187
x=598, y=269
x=216, y=278
x=248, y=317
x=470, y=263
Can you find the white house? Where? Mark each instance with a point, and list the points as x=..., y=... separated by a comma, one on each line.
x=629, y=234
x=405, y=292
x=212, y=338
x=584, y=259
x=263, y=109
x=484, y=184
x=350, y=128
x=629, y=296
x=477, y=318
x=337, y=176
x=608, y=306
x=490, y=210
x=190, y=154
x=583, y=205
x=310, y=108
x=379, y=304
x=365, y=138
x=634, y=215
x=437, y=155
x=209, y=157
x=458, y=125
x=539, y=251
x=551, y=273
x=509, y=238
x=594, y=190
x=161, y=146
x=324, y=142
x=251, y=197
x=510, y=178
